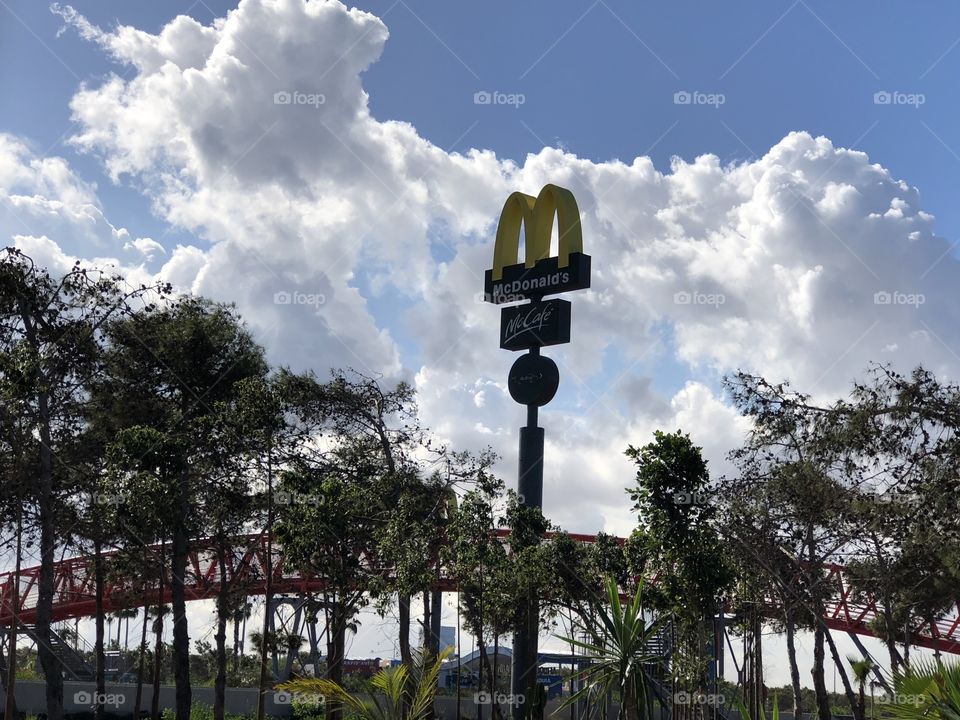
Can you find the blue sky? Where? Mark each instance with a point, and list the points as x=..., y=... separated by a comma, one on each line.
x=598, y=79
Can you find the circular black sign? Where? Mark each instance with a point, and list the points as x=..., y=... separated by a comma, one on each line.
x=533, y=380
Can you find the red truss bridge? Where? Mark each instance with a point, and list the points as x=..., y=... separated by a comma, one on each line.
x=846, y=611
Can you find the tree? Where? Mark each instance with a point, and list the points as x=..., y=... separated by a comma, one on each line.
x=51, y=330
x=677, y=541
x=752, y=517
x=97, y=523
x=803, y=476
x=271, y=423
x=868, y=476
x=17, y=468
x=330, y=533
x=862, y=670
x=899, y=434
x=413, y=538
x=172, y=366
x=359, y=410
x=478, y=561
x=143, y=465
x=247, y=429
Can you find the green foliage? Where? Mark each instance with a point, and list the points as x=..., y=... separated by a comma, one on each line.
x=928, y=690
x=396, y=693
x=745, y=713
x=202, y=712
x=676, y=538
x=618, y=652
x=479, y=561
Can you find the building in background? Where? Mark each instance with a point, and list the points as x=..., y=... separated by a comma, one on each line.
x=448, y=639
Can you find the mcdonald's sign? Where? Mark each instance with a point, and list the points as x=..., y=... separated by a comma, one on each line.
x=540, y=274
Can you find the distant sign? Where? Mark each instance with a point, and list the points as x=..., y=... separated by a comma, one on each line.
x=365, y=667
x=535, y=324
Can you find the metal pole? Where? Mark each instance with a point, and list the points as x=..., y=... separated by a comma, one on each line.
x=525, y=641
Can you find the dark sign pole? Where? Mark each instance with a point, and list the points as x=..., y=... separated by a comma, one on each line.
x=525, y=640
x=533, y=379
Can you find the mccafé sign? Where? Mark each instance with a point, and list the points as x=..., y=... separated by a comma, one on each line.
x=538, y=323
x=535, y=325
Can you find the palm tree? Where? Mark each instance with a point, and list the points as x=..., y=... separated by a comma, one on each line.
x=617, y=650
x=126, y=615
x=927, y=689
x=240, y=615
x=397, y=693
x=256, y=639
x=861, y=671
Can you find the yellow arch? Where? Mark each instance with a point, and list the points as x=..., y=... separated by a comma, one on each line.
x=536, y=217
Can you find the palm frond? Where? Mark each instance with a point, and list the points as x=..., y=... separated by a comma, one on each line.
x=390, y=689
x=616, y=651
x=927, y=690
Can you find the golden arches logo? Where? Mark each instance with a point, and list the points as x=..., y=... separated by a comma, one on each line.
x=535, y=215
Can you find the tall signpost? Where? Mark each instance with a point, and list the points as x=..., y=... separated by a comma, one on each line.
x=534, y=378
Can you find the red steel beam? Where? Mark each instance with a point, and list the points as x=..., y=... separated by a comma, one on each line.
x=74, y=592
